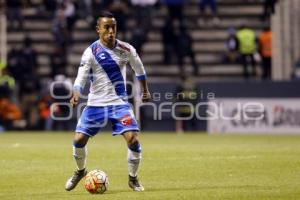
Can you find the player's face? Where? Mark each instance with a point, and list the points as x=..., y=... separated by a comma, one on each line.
x=107, y=29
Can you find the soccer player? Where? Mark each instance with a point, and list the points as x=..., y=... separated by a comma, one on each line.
x=104, y=63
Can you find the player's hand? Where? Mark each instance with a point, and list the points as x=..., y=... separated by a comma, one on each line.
x=75, y=98
x=146, y=96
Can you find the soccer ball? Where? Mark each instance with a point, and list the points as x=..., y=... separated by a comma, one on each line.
x=96, y=182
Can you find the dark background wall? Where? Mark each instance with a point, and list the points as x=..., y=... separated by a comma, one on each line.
x=245, y=89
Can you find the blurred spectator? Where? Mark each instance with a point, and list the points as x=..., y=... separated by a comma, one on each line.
x=63, y=23
x=45, y=122
x=231, y=55
x=14, y=14
x=14, y=64
x=265, y=47
x=296, y=71
x=7, y=84
x=168, y=37
x=185, y=49
x=58, y=61
x=247, y=46
x=212, y=4
x=143, y=16
x=22, y=64
x=269, y=8
x=29, y=57
x=59, y=29
x=86, y=11
x=139, y=37
x=10, y=113
x=2, y=64
x=143, y=13
x=175, y=10
x=29, y=90
x=49, y=6
x=186, y=99
x=70, y=15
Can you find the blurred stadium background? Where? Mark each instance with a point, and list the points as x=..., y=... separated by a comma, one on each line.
x=195, y=52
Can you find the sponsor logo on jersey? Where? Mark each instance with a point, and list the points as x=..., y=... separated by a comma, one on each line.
x=102, y=56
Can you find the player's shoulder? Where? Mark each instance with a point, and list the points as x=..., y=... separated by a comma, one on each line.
x=94, y=44
x=88, y=50
x=125, y=46
x=87, y=53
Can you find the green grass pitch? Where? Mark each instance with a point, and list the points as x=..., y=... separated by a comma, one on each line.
x=189, y=166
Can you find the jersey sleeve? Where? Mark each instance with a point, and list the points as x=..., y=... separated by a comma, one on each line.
x=83, y=70
x=136, y=64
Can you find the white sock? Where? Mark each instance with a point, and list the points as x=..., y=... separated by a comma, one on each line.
x=133, y=159
x=80, y=157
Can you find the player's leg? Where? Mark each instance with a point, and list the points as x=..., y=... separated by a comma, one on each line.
x=245, y=66
x=80, y=150
x=134, y=156
x=134, y=152
x=253, y=65
x=79, y=153
x=124, y=123
x=90, y=122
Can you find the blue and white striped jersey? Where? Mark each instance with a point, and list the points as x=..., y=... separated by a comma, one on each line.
x=106, y=70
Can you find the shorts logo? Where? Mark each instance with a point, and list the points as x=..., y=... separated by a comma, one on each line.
x=126, y=120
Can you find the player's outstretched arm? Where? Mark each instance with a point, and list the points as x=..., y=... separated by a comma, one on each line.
x=138, y=67
x=83, y=72
x=146, y=96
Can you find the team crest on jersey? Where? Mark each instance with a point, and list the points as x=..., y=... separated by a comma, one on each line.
x=97, y=50
x=126, y=120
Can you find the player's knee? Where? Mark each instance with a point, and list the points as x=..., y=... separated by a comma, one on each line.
x=134, y=145
x=132, y=139
x=80, y=140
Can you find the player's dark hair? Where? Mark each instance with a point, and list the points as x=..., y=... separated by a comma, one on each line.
x=105, y=14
